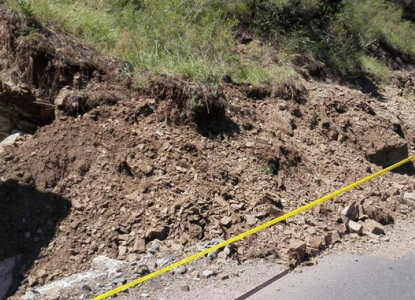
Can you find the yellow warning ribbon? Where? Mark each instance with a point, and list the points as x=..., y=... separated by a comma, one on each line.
x=252, y=231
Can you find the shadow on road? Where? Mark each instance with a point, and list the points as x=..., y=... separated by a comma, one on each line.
x=28, y=222
x=265, y=284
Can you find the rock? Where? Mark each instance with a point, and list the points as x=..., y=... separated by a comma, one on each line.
x=371, y=226
x=132, y=257
x=208, y=273
x=76, y=204
x=180, y=270
x=250, y=220
x=195, y=274
x=195, y=231
x=213, y=254
x=273, y=199
x=226, y=221
x=349, y=213
x=9, y=141
x=185, y=288
x=164, y=261
x=409, y=199
x=160, y=232
x=122, y=250
x=354, y=227
x=297, y=250
x=139, y=246
x=154, y=248
x=316, y=242
x=332, y=238
x=249, y=144
x=107, y=265
x=229, y=249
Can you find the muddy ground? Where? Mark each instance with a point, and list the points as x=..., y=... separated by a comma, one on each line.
x=111, y=168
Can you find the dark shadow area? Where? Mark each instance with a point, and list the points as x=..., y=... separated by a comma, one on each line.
x=28, y=222
x=406, y=169
x=367, y=86
x=264, y=285
x=214, y=122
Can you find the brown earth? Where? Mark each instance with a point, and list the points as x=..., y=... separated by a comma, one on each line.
x=184, y=162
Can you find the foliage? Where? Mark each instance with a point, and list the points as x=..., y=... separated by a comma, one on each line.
x=198, y=38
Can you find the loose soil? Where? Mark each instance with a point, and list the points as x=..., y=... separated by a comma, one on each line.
x=185, y=163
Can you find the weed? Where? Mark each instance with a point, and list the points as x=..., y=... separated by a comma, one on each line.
x=25, y=7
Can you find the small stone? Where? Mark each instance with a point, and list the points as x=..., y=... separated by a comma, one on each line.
x=409, y=199
x=249, y=144
x=332, y=238
x=297, y=249
x=374, y=227
x=185, y=288
x=349, y=213
x=121, y=251
x=139, y=246
x=195, y=231
x=132, y=257
x=316, y=242
x=154, y=248
x=229, y=249
x=208, y=273
x=145, y=295
x=180, y=270
x=74, y=225
x=354, y=227
x=273, y=198
x=195, y=274
x=76, y=204
x=213, y=254
x=250, y=220
x=386, y=239
x=226, y=221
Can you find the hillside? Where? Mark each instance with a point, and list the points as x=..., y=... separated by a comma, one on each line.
x=124, y=146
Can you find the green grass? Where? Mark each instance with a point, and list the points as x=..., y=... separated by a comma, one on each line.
x=374, y=67
x=191, y=38
x=196, y=38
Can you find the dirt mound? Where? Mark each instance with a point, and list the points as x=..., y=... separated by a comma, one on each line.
x=132, y=178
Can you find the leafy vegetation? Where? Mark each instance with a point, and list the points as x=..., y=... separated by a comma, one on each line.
x=206, y=39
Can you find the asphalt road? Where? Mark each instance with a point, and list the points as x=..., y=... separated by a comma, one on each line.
x=344, y=276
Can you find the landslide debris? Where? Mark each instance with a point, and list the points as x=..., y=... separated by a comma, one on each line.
x=185, y=163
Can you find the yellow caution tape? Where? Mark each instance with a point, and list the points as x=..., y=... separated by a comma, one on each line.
x=252, y=231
